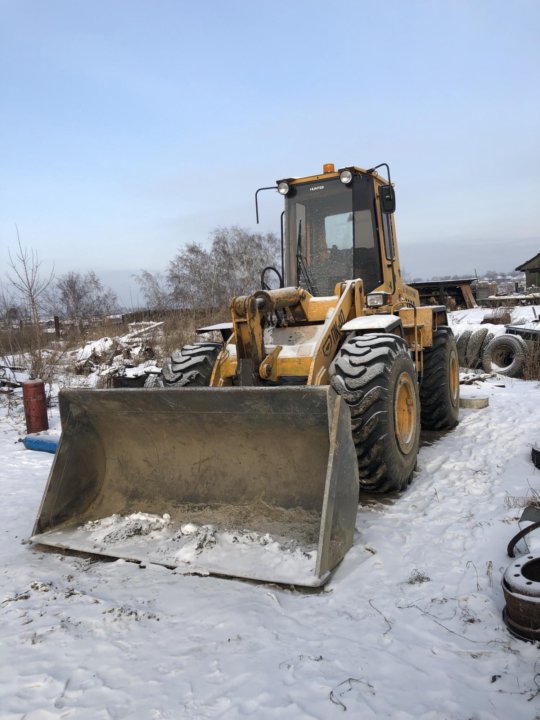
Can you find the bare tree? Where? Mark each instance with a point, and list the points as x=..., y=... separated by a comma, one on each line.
x=191, y=276
x=29, y=286
x=26, y=279
x=80, y=296
x=232, y=266
x=153, y=287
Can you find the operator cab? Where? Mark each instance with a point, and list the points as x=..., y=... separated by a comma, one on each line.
x=332, y=229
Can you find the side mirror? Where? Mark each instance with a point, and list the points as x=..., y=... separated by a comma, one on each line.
x=388, y=199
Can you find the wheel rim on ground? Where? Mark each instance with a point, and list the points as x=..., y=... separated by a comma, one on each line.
x=405, y=413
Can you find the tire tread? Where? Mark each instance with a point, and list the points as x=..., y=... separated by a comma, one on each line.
x=360, y=373
x=437, y=412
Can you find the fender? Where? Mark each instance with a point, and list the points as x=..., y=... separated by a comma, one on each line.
x=374, y=323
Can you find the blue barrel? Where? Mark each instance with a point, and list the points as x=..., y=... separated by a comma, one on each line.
x=41, y=442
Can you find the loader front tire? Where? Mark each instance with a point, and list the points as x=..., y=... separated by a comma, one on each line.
x=191, y=366
x=439, y=389
x=377, y=379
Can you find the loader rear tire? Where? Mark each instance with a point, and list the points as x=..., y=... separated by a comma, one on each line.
x=191, y=366
x=377, y=379
x=439, y=389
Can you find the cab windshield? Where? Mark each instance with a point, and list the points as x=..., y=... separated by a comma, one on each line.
x=331, y=233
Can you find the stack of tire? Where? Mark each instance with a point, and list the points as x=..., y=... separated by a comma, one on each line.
x=481, y=348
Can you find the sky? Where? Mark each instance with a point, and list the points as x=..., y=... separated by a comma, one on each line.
x=129, y=128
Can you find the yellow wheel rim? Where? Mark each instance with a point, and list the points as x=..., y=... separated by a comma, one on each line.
x=454, y=379
x=405, y=412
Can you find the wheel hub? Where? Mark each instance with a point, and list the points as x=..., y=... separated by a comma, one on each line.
x=405, y=414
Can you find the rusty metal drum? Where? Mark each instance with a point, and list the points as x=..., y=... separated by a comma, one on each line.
x=35, y=406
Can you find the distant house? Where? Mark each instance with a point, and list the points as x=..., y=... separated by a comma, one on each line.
x=531, y=268
x=12, y=314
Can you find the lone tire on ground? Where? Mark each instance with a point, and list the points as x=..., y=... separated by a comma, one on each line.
x=505, y=355
x=489, y=337
x=190, y=366
x=439, y=388
x=376, y=377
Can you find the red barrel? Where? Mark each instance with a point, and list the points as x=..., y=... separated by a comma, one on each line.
x=35, y=406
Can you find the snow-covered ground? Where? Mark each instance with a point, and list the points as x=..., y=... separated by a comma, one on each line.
x=524, y=316
x=409, y=626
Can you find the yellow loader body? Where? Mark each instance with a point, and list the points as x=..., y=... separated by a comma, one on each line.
x=257, y=475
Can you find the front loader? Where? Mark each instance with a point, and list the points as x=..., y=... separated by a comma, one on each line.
x=249, y=459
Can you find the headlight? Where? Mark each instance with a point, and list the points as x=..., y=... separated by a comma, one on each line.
x=376, y=299
x=283, y=188
x=345, y=176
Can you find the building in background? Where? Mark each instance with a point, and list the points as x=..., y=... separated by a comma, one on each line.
x=531, y=268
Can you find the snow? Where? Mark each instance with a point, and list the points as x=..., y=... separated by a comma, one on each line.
x=96, y=347
x=408, y=627
x=520, y=315
x=204, y=548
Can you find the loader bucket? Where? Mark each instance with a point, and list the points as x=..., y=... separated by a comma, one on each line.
x=257, y=483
